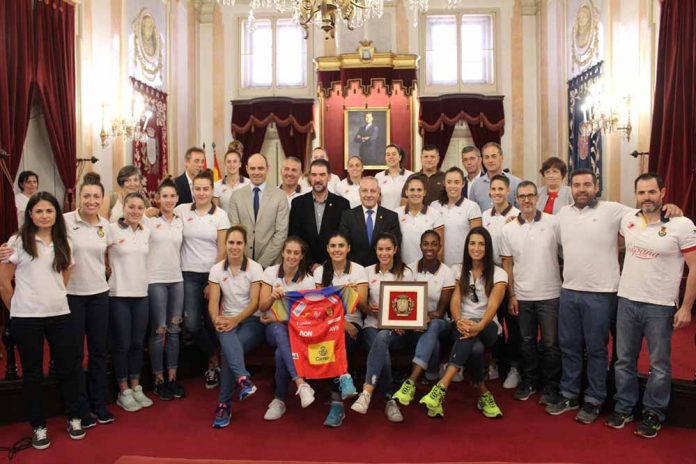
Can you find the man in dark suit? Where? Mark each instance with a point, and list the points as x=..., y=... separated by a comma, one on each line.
x=367, y=139
x=316, y=215
x=357, y=222
x=194, y=160
x=471, y=160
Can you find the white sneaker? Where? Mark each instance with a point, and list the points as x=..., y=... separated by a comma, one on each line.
x=459, y=376
x=140, y=397
x=513, y=379
x=393, y=412
x=127, y=402
x=306, y=394
x=493, y=372
x=275, y=411
x=362, y=403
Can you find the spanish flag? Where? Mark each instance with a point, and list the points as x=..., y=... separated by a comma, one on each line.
x=281, y=308
x=216, y=166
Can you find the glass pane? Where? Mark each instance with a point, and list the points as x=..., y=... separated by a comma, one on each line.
x=441, y=50
x=257, y=54
x=477, y=49
x=291, y=57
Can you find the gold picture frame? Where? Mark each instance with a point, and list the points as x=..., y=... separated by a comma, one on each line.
x=366, y=139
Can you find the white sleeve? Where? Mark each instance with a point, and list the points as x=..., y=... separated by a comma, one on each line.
x=448, y=279
x=504, y=243
x=359, y=275
x=474, y=211
x=499, y=275
x=223, y=219
x=215, y=273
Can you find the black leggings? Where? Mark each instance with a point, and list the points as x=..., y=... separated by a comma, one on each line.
x=469, y=351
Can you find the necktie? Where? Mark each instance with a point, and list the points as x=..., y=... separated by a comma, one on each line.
x=370, y=225
x=256, y=201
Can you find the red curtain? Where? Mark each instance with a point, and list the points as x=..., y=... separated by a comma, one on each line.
x=55, y=80
x=16, y=74
x=673, y=136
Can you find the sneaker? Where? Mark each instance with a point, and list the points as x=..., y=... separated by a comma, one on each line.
x=75, y=429
x=40, y=438
x=524, y=392
x=336, y=415
x=617, y=420
x=246, y=388
x=306, y=394
x=649, y=426
x=562, y=405
x=212, y=377
x=550, y=396
x=222, y=416
x=588, y=413
x=391, y=410
x=486, y=404
x=459, y=376
x=493, y=372
x=275, y=411
x=177, y=390
x=406, y=393
x=127, y=402
x=103, y=417
x=163, y=391
x=362, y=403
x=433, y=401
x=140, y=397
x=88, y=422
x=345, y=384
x=513, y=379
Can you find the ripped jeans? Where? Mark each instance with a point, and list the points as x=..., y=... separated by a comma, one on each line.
x=166, y=310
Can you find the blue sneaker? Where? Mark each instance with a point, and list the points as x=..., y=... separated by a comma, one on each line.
x=222, y=416
x=345, y=384
x=336, y=415
x=246, y=388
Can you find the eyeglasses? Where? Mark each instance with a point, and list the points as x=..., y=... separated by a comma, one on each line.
x=474, y=296
x=528, y=197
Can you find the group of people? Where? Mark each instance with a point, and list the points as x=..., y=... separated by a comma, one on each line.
x=213, y=257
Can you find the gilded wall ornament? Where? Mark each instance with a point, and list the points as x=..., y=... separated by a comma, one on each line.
x=149, y=46
x=585, y=34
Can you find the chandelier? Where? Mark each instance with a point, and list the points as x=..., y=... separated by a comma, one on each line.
x=602, y=113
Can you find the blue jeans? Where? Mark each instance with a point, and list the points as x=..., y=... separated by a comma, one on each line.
x=128, y=317
x=535, y=315
x=584, y=319
x=247, y=336
x=166, y=309
x=654, y=322
x=196, y=318
x=469, y=351
x=278, y=338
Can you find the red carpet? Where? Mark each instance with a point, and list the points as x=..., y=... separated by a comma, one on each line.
x=181, y=429
x=148, y=460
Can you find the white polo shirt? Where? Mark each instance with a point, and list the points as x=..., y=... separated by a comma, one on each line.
x=654, y=262
x=296, y=193
x=39, y=289
x=456, y=220
x=223, y=191
x=350, y=191
x=533, y=247
x=128, y=250
x=374, y=278
x=89, y=243
x=199, y=249
x=273, y=277
x=494, y=222
x=412, y=227
x=236, y=288
x=441, y=279
x=391, y=188
x=164, y=256
x=589, y=237
x=21, y=201
x=469, y=309
x=356, y=274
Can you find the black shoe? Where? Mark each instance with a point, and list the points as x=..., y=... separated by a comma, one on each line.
x=163, y=391
x=40, y=438
x=649, y=426
x=75, y=429
x=550, y=396
x=212, y=377
x=88, y=422
x=524, y=391
x=176, y=389
x=563, y=405
x=104, y=416
x=617, y=420
x=588, y=413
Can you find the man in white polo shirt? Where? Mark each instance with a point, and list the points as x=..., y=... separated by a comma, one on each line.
x=655, y=246
x=529, y=249
x=492, y=154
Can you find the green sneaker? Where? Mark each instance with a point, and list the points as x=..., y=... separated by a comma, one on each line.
x=487, y=406
x=433, y=401
x=406, y=393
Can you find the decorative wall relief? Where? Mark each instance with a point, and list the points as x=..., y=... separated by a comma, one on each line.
x=147, y=49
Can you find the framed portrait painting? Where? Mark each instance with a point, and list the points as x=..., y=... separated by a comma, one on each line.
x=366, y=134
x=403, y=305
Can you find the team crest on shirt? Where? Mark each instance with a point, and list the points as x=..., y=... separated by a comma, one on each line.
x=329, y=311
x=662, y=232
x=225, y=279
x=100, y=231
x=630, y=226
x=121, y=241
x=158, y=226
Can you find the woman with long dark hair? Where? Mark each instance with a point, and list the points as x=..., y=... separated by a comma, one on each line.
x=474, y=304
x=391, y=180
x=41, y=256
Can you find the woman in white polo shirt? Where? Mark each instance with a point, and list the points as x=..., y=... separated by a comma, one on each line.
x=459, y=215
x=391, y=180
x=165, y=291
x=41, y=255
x=128, y=302
x=389, y=268
x=88, y=297
x=233, y=180
x=235, y=285
x=477, y=295
x=415, y=218
x=204, y=245
x=350, y=186
x=339, y=270
x=291, y=275
x=28, y=183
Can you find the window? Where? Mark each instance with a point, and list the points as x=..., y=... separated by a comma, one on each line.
x=274, y=54
x=459, y=50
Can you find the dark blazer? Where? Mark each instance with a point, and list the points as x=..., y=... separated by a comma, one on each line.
x=183, y=189
x=353, y=227
x=303, y=223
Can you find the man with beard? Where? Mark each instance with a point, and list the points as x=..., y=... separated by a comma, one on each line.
x=492, y=154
